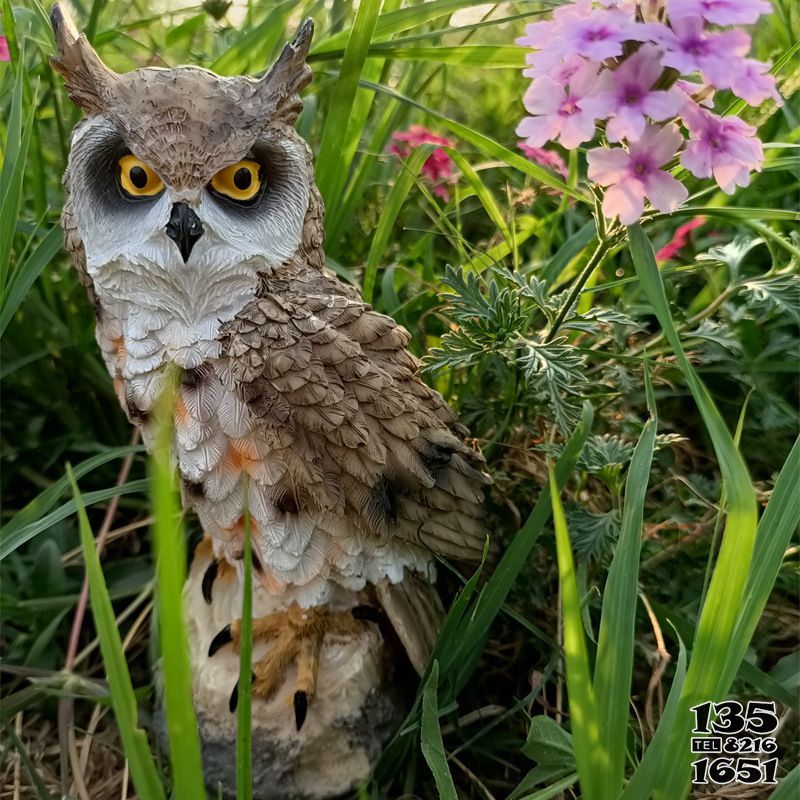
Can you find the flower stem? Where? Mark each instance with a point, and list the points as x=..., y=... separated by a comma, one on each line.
x=592, y=264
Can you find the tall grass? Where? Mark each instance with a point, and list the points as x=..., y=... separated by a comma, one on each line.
x=380, y=67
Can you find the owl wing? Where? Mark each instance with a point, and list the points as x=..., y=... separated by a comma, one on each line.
x=362, y=436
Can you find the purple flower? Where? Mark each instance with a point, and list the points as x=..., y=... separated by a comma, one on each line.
x=557, y=110
x=719, y=12
x=726, y=147
x=626, y=96
x=753, y=83
x=597, y=36
x=634, y=174
x=690, y=48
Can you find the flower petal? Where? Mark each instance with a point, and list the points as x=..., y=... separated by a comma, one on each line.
x=664, y=192
x=607, y=165
x=624, y=200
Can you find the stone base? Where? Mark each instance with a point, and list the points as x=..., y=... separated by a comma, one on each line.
x=352, y=715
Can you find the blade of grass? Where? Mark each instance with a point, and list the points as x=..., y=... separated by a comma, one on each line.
x=467, y=644
x=488, y=145
x=431, y=737
x=134, y=740
x=778, y=522
x=11, y=542
x=170, y=552
x=616, y=640
x=643, y=780
x=720, y=612
x=43, y=502
x=590, y=755
x=394, y=202
x=789, y=787
x=331, y=175
x=244, y=718
x=25, y=275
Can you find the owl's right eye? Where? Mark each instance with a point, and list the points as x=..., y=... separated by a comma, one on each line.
x=137, y=179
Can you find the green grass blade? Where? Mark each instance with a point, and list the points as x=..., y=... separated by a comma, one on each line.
x=778, y=522
x=643, y=780
x=488, y=146
x=720, y=612
x=402, y=19
x=590, y=755
x=789, y=787
x=134, y=739
x=170, y=553
x=244, y=717
x=43, y=502
x=616, y=640
x=11, y=542
x=466, y=647
x=394, y=202
x=12, y=174
x=25, y=275
x=555, y=789
x=331, y=173
x=484, y=195
x=431, y=737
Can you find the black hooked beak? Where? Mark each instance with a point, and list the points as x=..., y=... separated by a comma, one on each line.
x=184, y=228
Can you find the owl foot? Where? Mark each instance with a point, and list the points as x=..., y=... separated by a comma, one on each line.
x=296, y=636
x=216, y=569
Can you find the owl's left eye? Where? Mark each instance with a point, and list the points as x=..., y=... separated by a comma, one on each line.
x=137, y=179
x=240, y=181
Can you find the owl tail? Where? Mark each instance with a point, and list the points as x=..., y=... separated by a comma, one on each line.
x=416, y=613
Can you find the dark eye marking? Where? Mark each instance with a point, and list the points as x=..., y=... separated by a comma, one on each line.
x=138, y=177
x=242, y=179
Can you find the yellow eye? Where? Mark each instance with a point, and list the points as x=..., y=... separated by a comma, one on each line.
x=240, y=181
x=137, y=179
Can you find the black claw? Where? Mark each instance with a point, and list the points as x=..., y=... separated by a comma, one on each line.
x=208, y=580
x=220, y=640
x=300, y=709
x=367, y=613
x=234, y=701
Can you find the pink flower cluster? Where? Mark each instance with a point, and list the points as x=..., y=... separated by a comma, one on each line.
x=619, y=63
x=439, y=166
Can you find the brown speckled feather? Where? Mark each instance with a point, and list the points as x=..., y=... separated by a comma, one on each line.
x=363, y=435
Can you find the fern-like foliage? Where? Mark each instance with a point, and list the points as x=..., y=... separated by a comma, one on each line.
x=506, y=314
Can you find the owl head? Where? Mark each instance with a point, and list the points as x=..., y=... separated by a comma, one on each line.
x=181, y=170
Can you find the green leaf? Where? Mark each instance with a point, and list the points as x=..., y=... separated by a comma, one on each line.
x=25, y=275
x=590, y=751
x=548, y=744
x=716, y=627
x=134, y=739
x=170, y=552
x=331, y=174
x=244, y=716
x=9, y=543
x=488, y=145
x=617, y=637
x=431, y=737
x=394, y=202
x=789, y=787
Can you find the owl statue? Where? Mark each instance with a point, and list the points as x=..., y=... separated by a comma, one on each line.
x=194, y=223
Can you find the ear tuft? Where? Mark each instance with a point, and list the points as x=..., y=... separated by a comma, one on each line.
x=90, y=83
x=280, y=88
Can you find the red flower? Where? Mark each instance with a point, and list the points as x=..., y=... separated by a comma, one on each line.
x=679, y=240
x=439, y=166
